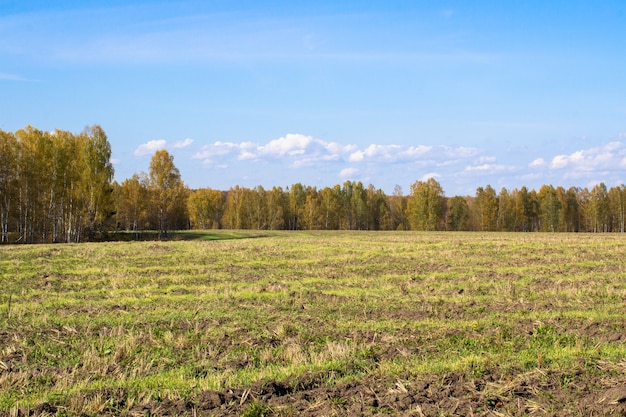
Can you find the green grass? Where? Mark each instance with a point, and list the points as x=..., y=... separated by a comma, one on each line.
x=219, y=310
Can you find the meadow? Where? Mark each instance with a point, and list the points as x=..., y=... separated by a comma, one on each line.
x=316, y=323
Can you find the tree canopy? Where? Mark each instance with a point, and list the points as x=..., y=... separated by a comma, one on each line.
x=58, y=187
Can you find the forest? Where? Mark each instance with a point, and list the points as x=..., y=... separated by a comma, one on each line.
x=58, y=187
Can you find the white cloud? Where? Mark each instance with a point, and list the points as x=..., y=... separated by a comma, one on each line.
x=486, y=159
x=609, y=156
x=335, y=148
x=215, y=150
x=390, y=153
x=150, y=147
x=245, y=155
x=537, y=163
x=347, y=173
x=300, y=150
x=313, y=156
x=290, y=145
x=182, y=143
x=430, y=175
x=488, y=168
x=460, y=152
x=357, y=156
x=559, y=161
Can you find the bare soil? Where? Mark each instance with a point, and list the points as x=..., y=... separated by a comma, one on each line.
x=545, y=393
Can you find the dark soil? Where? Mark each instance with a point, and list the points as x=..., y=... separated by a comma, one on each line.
x=545, y=393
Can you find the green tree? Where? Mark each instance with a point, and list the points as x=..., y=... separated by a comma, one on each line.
x=277, y=207
x=353, y=206
x=599, y=208
x=458, y=214
x=426, y=205
x=97, y=177
x=549, y=209
x=398, y=209
x=168, y=192
x=617, y=208
x=33, y=177
x=506, y=211
x=485, y=209
x=260, y=213
x=378, y=216
x=240, y=209
x=205, y=207
x=9, y=152
x=66, y=205
x=311, y=218
x=330, y=206
x=564, y=224
x=297, y=199
x=132, y=204
x=524, y=206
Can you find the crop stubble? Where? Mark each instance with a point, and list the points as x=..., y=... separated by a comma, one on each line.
x=352, y=323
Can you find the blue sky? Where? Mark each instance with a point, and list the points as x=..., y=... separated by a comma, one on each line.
x=272, y=93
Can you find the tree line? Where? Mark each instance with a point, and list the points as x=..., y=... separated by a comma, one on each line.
x=352, y=206
x=58, y=187
x=54, y=186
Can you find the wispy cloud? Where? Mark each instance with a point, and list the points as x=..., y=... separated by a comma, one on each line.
x=15, y=77
x=488, y=169
x=140, y=34
x=537, y=163
x=348, y=173
x=182, y=143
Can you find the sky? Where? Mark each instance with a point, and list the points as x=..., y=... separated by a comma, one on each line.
x=272, y=93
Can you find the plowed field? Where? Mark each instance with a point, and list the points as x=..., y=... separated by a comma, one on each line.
x=316, y=324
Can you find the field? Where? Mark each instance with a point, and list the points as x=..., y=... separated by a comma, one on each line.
x=316, y=324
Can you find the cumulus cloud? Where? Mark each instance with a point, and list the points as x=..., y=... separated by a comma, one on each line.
x=430, y=175
x=150, y=147
x=610, y=156
x=290, y=145
x=302, y=150
x=311, y=158
x=356, y=156
x=215, y=150
x=389, y=153
x=315, y=158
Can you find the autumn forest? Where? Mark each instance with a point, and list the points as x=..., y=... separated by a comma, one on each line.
x=58, y=187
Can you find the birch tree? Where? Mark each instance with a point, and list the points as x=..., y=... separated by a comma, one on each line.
x=168, y=192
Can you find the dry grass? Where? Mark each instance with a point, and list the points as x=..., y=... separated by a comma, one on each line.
x=115, y=327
